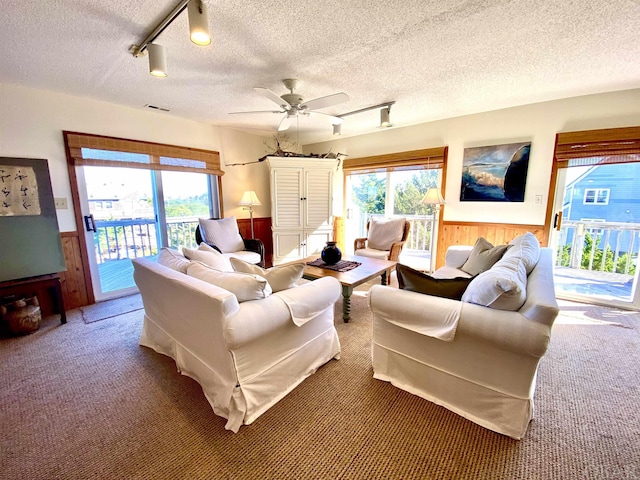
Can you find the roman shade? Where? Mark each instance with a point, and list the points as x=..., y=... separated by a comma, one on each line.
x=101, y=151
x=597, y=147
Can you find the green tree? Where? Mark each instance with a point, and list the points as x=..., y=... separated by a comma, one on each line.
x=408, y=196
x=368, y=193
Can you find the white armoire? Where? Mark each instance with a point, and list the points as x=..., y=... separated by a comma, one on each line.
x=301, y=205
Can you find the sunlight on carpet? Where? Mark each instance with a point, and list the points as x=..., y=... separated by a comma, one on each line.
x=111, y=308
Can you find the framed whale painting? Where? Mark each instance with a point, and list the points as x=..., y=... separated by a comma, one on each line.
x=496, y=173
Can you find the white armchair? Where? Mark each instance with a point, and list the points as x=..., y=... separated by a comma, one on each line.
x=223, y=234
x=384, y=241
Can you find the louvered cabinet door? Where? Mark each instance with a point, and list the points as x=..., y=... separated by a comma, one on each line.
x=318, y=198
x=287, y=198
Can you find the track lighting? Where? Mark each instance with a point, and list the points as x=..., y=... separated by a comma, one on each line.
x=384, y=116
x=157, y=60
x=385, y=121
x=199, y=22
x=198, y=32
x=337, y=129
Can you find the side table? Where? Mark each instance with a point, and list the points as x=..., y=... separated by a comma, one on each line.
x=32, y=285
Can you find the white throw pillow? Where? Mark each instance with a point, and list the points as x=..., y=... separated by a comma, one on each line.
x=280, y=278
x=222, y=233
x=503, y=287
x=529, y=250
x=244, y=286
x=173, y=259
x=210, y=257
x=383, y=233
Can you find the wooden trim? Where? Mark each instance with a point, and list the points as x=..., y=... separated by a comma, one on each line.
x=74, y=289
x=82, y=245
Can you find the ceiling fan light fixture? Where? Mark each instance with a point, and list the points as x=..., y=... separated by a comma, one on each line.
x=157, y=60
x=384, y=117
x=198, y=22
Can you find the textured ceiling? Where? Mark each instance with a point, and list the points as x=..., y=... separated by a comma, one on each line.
x=435, y=59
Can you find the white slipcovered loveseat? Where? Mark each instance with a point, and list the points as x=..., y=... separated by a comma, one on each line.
x=246, y=355
x=476, y=360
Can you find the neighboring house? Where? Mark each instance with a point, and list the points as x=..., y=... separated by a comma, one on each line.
x=606, y=194
x=108, y=204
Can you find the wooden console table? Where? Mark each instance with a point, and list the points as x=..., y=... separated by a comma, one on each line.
x=32, y=286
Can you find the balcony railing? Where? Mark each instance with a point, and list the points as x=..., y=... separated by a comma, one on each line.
x=419, y=239
x=133, y=238
x=599, y=246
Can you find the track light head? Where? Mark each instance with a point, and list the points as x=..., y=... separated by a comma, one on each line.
x=157, y=60
x=198, y=22
x=384, y=116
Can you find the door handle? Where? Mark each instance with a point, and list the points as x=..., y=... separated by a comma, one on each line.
x=557, y=221
x=89, y=223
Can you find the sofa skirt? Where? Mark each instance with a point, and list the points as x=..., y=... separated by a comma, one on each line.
x=492, y=409
x=242, y=403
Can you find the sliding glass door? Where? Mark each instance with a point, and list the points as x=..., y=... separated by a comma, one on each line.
x=393, y=193
x=596, y=235
x=132, y=213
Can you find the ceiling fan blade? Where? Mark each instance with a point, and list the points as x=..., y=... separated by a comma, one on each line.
x=284, y=124
x=265, y=92
x=327, y=101
x=334, y=120
x=258, y=111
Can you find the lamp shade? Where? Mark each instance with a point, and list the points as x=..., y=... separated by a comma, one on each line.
x=337, y=129
x=157, y=60
x=198, y=22
x=433, y=197
x=249, y=198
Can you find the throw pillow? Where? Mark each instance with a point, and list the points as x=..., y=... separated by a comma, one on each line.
x=223, y=233
x=383, y=233
x=212, y=257
x=529, y=250
x=483, y=256
x=244, y=286
x=173, y=259
x=503, y=287
x=280, y=278
x=416, y=281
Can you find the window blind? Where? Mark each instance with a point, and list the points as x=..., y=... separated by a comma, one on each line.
x=597, y=147
x=410, y=160
x=97, y=150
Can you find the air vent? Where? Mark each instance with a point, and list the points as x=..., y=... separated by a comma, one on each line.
x=153, y=107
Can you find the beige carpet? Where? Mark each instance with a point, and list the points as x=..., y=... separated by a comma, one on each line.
x=111, y=308
x=82, y=401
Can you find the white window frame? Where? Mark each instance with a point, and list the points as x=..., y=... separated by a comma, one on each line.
x=595, y=194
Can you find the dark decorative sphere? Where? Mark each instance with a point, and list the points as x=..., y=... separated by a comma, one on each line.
x=331, y=253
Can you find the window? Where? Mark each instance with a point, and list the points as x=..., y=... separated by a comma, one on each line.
x=596, y=196
x=145, y=196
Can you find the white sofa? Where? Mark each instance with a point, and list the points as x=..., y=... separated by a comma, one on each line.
x=484, y=365
x=246, y=356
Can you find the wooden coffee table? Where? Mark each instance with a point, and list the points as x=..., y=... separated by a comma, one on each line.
x=369, y=268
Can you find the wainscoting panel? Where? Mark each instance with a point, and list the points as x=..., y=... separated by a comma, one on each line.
x=466, y=233
x=74, y=289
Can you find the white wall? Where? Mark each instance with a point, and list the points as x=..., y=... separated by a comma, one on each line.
x=537, y=123
x=32, y=121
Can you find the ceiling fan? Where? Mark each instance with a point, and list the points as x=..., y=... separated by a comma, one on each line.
x=293, y=105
